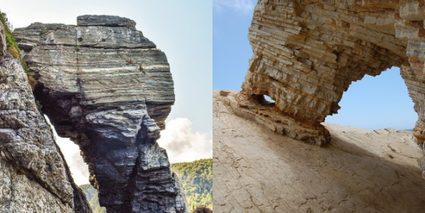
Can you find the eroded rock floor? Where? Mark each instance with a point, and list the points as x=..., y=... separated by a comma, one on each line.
x=256, y=170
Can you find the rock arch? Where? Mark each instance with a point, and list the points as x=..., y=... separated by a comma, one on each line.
x=109, y=89
x=306, y=54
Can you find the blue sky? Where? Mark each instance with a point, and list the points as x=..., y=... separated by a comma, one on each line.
x=182, y=29
x=373, y=102
x=231, y=50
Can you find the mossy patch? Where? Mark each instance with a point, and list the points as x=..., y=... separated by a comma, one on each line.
x=13, y=49
x=12, y=46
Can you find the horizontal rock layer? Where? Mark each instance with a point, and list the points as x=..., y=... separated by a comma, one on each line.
x=306, y=54
x=102, y=20
x=33, y=174
x=109, y=89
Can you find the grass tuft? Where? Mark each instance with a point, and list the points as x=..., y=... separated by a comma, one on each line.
x=13, y=49
x=12, y=46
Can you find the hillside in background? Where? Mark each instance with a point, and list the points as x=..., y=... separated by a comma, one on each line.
x=195, y=178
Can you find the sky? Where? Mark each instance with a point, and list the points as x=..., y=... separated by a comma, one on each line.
x=182, y=29
x=372, y=103
x=231, y=49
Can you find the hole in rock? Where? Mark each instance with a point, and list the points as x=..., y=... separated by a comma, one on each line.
x=377, y=102
x=268, y=99
x=71, y=152
x=265, y=100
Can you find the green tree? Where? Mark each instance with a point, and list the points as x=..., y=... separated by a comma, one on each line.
x=196, y=182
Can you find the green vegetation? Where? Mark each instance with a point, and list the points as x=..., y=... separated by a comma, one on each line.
x=12, y=47
x=195, y=178
x=92, y=198
x=196, y=181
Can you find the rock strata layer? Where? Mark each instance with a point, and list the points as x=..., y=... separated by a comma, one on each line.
x=33, y=174
x=109, y=89
x=307, y=53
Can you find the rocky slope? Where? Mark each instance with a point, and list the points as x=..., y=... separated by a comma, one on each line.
x=359, y=171
x=33, y=174
x=109, y=89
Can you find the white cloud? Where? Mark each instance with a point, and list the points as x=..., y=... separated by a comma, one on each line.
x=182, y=143
x=243, y=6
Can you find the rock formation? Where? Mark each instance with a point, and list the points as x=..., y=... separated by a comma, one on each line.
x=33, y=174
x=306, y=54
x=109, y=89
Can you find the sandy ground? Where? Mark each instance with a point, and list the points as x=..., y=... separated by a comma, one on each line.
x=256, y=170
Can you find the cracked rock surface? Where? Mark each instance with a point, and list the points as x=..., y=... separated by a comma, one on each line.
x=109, y=89
x=360, y=170
x=34, y=176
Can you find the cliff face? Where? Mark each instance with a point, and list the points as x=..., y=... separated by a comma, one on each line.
x=109, y=89
x=307, y=53
x=33, y=174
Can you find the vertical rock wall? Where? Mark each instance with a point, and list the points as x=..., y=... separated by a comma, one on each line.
x=109, y=89
x=33, y=174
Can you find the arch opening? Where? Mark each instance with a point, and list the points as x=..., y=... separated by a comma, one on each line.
x=377, y=102
x=72, y=154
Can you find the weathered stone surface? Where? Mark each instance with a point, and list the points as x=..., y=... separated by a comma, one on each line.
x=361, y=171
x=33, y=174
x=306, y=54
x=3, y=45
x=109, y=89
x=102, y=20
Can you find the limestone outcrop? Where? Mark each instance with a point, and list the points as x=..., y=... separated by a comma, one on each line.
x=307, y=53
x=109, y=89
x=34, y=176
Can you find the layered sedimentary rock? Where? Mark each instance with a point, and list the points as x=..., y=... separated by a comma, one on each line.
x=109, y=89
x=33, y=174
x=307, y=53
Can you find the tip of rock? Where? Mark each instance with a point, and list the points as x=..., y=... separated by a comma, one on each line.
x=105, y=20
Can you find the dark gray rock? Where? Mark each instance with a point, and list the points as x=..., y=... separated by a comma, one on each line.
x=3, y=45
x=102, y=20
x=109, y=89
x=33, y=174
